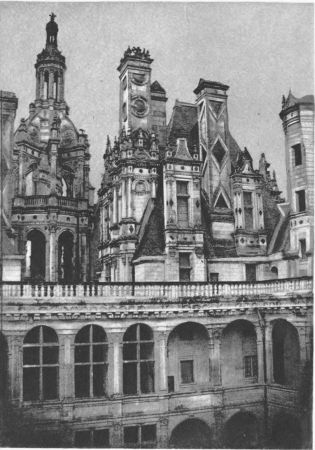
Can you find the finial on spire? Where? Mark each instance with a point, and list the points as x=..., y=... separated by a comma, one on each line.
x=52, y=30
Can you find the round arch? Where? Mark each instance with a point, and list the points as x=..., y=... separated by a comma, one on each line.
x=35, y=259
x=191, y=433
x=286, y=353
x=241, y=431
x=188, y=357
x=239, y=353
x=66, y=257
x=286, y=432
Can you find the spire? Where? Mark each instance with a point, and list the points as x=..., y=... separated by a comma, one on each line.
x=52, y=31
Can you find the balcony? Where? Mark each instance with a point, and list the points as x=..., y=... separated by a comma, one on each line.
x=50, y=200
x=169, y=291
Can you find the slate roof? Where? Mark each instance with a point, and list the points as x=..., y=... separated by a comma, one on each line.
x=282, y=236
x=152, y=242
x=184, y=123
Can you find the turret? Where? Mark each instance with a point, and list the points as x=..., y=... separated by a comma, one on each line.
x=50, y=68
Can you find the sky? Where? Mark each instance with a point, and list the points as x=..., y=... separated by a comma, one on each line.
x=261, y=50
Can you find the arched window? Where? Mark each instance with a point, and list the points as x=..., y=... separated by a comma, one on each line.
x=46, y=81
x=40, y=364
x=55, y=86
x=91, y=362
x=138, y=355
x=274, y=271
x=35, y=256
x=65, y=257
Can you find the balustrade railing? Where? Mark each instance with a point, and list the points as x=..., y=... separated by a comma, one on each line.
x=157, y=290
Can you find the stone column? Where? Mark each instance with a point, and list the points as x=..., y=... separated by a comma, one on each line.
x=129, y=207
x=215, y=355
x=161, y=362
x=114, y=205
x=83, y=254
x=260, y=354
x=15, y=367
x=66, y=367
x=21, y=172
x=163, y=434
x=61, y=87
x=53, y=266
x=115, y=362
x=269, y=353
x=123, y=198
x=41, y=84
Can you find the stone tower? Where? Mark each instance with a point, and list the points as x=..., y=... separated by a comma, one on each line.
x=53, y=197
x=297, y=116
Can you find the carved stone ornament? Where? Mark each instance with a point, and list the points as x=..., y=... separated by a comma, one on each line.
x=139, y=79
x=139, y=106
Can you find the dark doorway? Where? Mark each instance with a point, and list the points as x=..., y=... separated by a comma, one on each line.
x=192, y=433
x=65, y=258
x=35, y=256
x=241, y=431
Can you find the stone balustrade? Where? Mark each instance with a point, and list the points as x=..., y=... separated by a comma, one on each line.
x=45, y=200
x=280, y=288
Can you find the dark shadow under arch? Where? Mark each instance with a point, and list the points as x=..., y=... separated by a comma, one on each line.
x=191, y=433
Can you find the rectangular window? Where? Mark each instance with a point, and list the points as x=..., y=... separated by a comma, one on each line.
x=250, y=273
x=171, y=384
x=92, y=438
x=187, y=371
x=297, y=149
x=302, y=248
x=214, y=277
x=184, y=267
x=140, y=436
x=300, y=201
x=248, y=210
x=182, y=204
x=250, y=366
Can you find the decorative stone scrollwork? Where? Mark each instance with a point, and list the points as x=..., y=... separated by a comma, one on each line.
x=139, y=79
x=139, y=106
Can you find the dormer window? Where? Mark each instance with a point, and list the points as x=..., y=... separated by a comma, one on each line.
x=182, y=204
x=248, y=210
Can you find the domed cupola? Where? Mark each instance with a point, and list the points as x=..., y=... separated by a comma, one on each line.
x=50, y=68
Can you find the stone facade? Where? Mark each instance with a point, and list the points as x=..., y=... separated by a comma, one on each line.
x=197, y=332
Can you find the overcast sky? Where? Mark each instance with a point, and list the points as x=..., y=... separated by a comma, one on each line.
x=259, y=50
